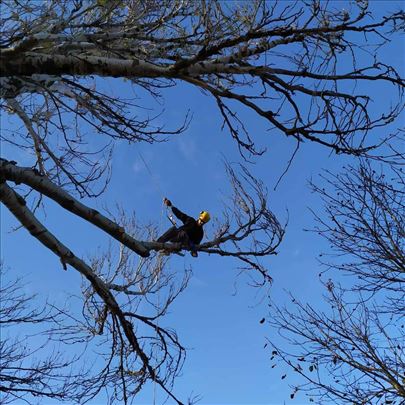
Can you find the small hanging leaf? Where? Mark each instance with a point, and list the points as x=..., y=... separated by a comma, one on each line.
x=284, y=376
x=262, y=320
x=311, y=368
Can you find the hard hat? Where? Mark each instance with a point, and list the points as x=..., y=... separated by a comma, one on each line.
x=204, y=216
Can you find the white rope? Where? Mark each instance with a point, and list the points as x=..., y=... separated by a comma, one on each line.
x=155, y=179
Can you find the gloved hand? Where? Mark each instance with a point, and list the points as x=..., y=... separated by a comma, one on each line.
x=167, y=202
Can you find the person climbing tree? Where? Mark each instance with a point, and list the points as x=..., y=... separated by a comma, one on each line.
x=190, y=233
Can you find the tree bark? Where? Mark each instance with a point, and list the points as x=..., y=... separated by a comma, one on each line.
x=43, y=185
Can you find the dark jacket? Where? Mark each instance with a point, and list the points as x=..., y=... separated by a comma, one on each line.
x=194, y=231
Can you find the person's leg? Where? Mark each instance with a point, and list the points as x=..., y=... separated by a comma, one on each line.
x=169, y=235
x=183, y=238
x=193, y=250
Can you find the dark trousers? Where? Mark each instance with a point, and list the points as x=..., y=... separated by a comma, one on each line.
x=176, y=235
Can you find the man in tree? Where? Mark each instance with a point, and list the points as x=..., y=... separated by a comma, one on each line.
x=284, y=63
x=190, y=234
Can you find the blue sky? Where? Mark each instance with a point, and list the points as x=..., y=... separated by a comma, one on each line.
x=218, y=316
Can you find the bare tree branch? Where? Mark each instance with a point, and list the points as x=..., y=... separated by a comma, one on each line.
x=229, y=50
x=351, y=348
x=16, y=204
x=365, y=224
x=347, y=353
x=43, y=185
x=252, y=218
x=24, y=373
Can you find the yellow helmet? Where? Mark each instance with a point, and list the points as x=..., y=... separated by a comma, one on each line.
x=204, y=217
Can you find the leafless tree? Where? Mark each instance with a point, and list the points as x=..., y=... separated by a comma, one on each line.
x=141, y=289
x=352, y=350
x=32, y=366
x=279, y=61
x=346, y=352
x=365, y=226
x=143, y=293
x=112, y=294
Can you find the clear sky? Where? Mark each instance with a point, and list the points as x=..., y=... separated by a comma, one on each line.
x=218, y=315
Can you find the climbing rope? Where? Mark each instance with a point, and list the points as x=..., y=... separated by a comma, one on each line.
x=157, y=184
x=155, y=179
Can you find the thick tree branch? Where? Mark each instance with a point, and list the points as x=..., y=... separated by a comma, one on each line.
x=227, y=50
x=16, y=204
x=43, y=185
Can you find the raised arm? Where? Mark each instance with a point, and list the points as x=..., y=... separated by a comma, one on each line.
x=180, y=215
